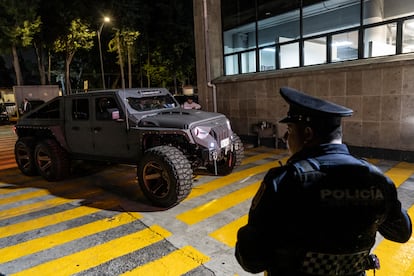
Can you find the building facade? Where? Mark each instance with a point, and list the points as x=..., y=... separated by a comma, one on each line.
x=358, y=53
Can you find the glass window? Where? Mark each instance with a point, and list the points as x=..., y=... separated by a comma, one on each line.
x=408, y=36
x=315, y=51
x=231, y=65
x=105, y=108
x=276, y=25
x=238, y=21
x=329, y=16
x=289, y=55
x=50, y=111
x=80, y=109
x=248, y=62
x=267, y=59
x=239, y=39
x=280, y=30
x=344, y=46
x=380, y=40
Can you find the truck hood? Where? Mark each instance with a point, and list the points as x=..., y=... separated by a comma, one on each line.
x=179, y=118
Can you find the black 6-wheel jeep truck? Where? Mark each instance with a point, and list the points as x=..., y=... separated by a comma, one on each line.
x=145, y=127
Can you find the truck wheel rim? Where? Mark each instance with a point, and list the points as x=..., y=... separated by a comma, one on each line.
x=156, y=179
x=44, y=161
x=23, y=156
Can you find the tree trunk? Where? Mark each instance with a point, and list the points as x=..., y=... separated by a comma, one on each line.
x=49, y=67
x=129, y=68
x=121, y=63
x=68, y=61
x=40, y=64
x=16, y=65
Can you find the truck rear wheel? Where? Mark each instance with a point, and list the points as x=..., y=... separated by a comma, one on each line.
x=23, y=153
x=232, y=160
x=165, y=176
x=52, y=161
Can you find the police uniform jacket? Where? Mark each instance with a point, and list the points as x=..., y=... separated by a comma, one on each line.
x=331, y=203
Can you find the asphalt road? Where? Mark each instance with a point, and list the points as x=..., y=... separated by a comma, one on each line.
x=97, y=222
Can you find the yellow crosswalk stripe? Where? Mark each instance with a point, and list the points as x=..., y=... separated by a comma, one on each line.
x=176, y=263
x=228, y=233
x=42, y=205
x=35, y=245
x=96, y=255
x=231, y=178
x=400, y=172
x=216, y=206
x=24, y=196
x=55, y=218
x=257, y=157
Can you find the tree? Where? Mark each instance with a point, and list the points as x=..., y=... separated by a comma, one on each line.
x=123, y=42
x=19, y=23
x=78, y=37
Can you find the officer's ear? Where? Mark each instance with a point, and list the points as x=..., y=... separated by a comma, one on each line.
x=308, y=134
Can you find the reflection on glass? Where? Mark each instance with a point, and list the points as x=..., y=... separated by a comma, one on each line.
x=408, y=36
x=380, y=40
x=231, y=64
x=239, y=39
x=248, y=62
x=267, y=59
x=344, y=46
x=289, y=55
x=315, y=51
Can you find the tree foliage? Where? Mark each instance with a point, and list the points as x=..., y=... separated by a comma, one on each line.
x=19, y=23
x=123, y=43
x=157, y=41
x=78, y=37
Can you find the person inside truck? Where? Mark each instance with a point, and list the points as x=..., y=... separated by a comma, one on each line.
x=190, y=104
x=102, y=109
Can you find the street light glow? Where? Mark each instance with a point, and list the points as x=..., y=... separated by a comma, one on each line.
x=106, y=19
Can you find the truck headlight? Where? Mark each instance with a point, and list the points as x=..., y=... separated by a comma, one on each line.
x=201, y=132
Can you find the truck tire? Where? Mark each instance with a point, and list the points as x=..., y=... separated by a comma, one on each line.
x=51, y=160
x=239, y=149
x=232, y=160
x=23, y=153
x=165, y=176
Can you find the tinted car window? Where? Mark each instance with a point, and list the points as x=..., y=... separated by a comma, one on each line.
x=80, y=109
x=104, y=106
x=49, y=111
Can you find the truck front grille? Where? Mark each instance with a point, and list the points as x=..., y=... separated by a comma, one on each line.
x=219, y=133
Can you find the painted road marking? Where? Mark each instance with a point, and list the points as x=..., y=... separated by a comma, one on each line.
x=231, y=178
x=400, y=172
x=178, y=262
x=45, y=221
x=75, y=263
x=42, y=205
x=35, y=245
x=228, y=233
x=216, y=206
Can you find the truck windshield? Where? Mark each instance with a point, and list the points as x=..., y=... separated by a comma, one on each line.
x=152, y=102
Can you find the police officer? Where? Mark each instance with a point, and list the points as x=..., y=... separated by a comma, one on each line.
x=319, y=213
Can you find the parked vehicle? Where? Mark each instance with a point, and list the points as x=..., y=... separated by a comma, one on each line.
x=144, y=127
x=4, y=116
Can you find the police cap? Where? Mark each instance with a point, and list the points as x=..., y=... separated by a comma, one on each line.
x=307, y=109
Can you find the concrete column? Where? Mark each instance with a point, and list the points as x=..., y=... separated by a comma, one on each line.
x=208, y=48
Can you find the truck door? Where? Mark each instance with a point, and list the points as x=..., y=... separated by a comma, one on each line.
x=78, y=126
x=109, y=128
